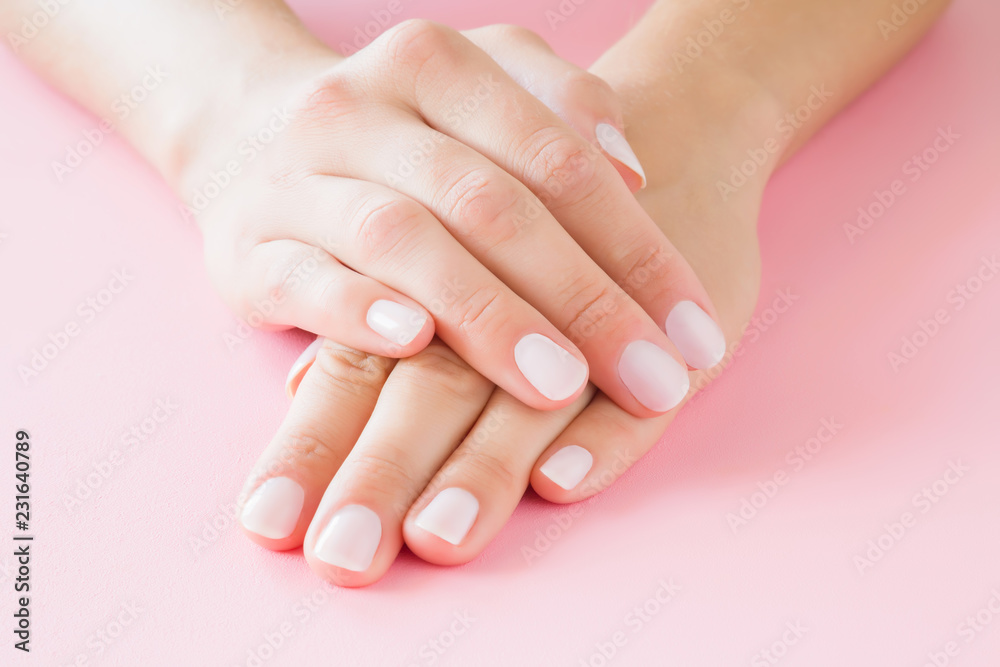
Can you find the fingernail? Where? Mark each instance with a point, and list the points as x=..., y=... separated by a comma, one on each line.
x=696, y=335
x=300, y=366
x=553, y=371
x=450, y=515
x=615, y=145
x=652, y=375
x=351, y=538
x=568, y=466
x=273, y=509
x=395, y=322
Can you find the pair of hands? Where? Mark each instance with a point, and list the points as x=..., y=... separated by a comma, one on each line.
x=436, y=183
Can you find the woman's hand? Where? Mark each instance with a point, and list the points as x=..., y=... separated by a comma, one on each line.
x=419, y=189
x=376, y=452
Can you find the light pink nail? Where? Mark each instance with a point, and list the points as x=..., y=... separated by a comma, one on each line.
x=653, y=376
x=301, y=365
x=696, y=335
x=553, y=371
x=351, y=538
x=568, y=466
x=395, y=322
x=273, y=509
x=615, y=145
x=450, y=515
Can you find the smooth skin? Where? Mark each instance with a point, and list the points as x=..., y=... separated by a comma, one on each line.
x=372, y=182
x=488, y=444
x=365, y=430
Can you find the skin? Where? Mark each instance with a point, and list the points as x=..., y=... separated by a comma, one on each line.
x=365, y=429
x=488, y=226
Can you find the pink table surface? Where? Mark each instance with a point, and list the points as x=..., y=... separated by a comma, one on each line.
x=844, y=563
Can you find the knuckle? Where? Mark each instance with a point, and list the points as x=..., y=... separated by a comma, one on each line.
x=510, y=33
x=646, y=265
x=561, y=167
x=483, y=208
x=438, y=369
x=324, y=106
x=590, y=308
x=346, y=369
x=381, y=470
x=496, y=471
x=383, y=228
x=328, y=97
x=286, y=274
x=480, y=313
x=579, y=86
x=416, y=41
x=303, y=448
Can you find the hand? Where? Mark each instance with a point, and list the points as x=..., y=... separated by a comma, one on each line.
x=425, y=450
x=419, y=189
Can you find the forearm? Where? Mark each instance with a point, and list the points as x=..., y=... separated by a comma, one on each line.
x=743, y=65
x=193, y=63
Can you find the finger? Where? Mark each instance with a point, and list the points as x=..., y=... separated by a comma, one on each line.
x=594, y=451
x=630, y=357
x=428, y=403
x=286, y=283
x=474, y=493
x=582, y=100
x=335, y=399
x=397, y=242
x=502, y=121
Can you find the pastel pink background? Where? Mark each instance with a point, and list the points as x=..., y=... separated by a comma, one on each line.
x=162, y=338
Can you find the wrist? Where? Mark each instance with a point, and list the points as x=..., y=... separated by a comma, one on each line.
x=226, y=93
x=694, y=126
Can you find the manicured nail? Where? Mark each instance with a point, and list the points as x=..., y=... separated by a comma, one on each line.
x=301, y=365
x=696, y=335
x=615, y=145
x=450, y=515
x=395, y=322
x=652, y=375
x=553, y=371
x=568, y=466
x=273, y=509
x=351, y=538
